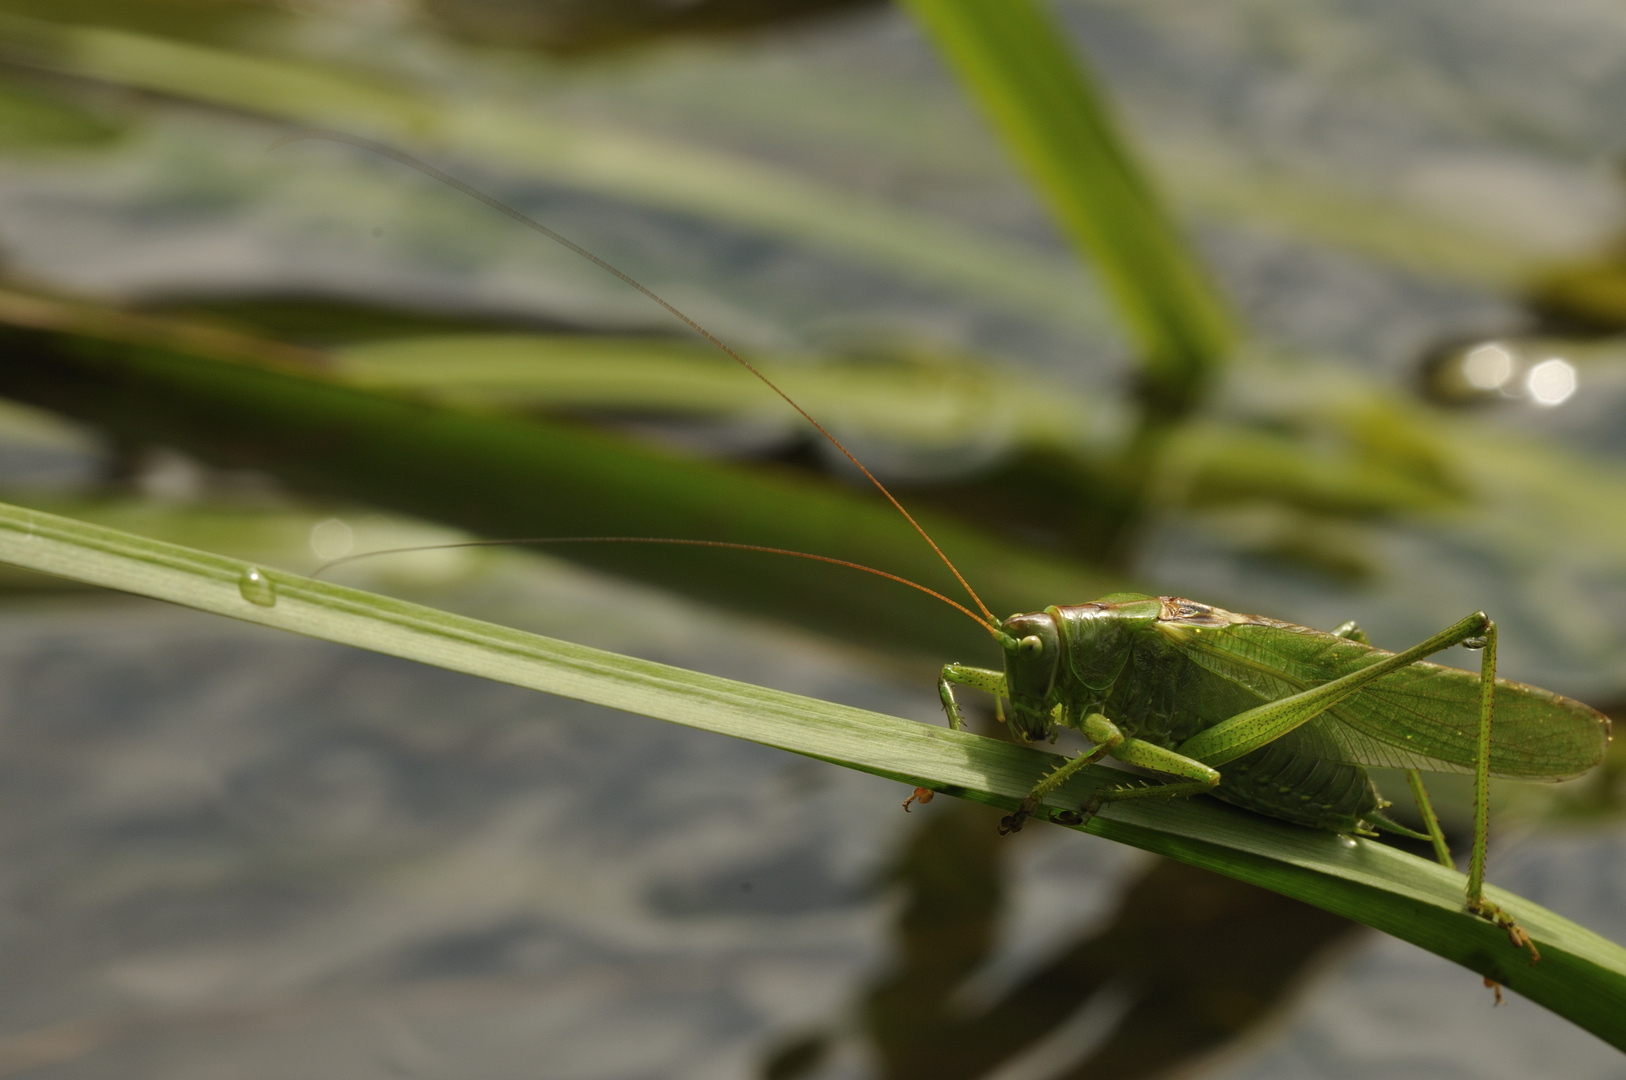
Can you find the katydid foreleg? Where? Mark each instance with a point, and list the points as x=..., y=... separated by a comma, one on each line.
x=984, y=679
x=1351, y=631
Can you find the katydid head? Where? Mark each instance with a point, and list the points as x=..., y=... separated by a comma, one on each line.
x=1032, y=647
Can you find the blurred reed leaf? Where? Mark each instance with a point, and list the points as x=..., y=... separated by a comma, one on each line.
x=195, y=20
x=32, y=120
x=1581, y=976
x=1361, y=456
x=1014, y=60
x=932, y=400
x=1587, y=296
x=1221, y=182
x=1221, y=464
x=239, y=402
x=206, y=389
x=647, y=170
x=580, y=26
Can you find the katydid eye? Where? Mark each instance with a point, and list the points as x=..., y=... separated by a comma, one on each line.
x=1031, y=645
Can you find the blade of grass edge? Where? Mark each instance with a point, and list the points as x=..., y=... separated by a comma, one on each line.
x=1581, y=976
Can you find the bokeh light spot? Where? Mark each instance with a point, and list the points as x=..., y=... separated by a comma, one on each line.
x=1487, y=367
x=1551, y=382
x=332, y=539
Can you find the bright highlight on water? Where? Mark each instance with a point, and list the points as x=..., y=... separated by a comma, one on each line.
x=1551, y=382
x=1493, y=366
x=1488, y=367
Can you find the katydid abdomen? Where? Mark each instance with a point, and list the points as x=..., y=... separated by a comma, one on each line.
x=1303, y=789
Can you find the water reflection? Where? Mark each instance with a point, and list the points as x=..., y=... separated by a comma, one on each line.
x=1487, y=367
x=1551, y=382
x=1216, y=953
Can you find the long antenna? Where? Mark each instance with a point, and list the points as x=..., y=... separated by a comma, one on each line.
x=531, y=223
x=330, y=564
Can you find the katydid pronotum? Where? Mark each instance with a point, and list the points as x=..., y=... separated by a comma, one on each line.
x=1276, y=718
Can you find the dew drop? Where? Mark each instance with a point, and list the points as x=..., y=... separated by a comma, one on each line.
x=256, y=588
x=1349, y=841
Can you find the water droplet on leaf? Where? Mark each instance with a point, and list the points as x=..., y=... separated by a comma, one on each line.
x=257, y=588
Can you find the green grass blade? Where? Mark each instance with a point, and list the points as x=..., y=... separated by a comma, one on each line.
x=1015, y=62
x=1581, y=975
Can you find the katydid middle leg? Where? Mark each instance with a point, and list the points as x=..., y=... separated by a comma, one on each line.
x=1191, y=777
x=1431, y=821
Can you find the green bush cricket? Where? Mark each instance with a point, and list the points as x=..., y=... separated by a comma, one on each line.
x=1276, y=718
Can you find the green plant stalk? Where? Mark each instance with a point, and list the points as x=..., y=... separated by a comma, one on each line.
x=1013, y=59
x=1581, y=975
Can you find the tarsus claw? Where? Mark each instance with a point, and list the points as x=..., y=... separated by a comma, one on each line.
x=1516, y=934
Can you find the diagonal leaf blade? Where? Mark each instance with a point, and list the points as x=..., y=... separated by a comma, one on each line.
x=1581, y=976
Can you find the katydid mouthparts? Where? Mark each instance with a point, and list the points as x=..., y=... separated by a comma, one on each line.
x=1276, y=718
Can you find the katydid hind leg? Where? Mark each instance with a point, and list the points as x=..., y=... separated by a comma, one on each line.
x=1257, y=727
x=1254, y=728
x=1486, y=643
